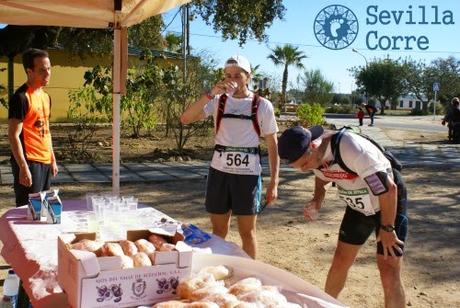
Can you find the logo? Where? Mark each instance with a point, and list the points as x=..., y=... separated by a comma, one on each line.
x=138, y=288
x=335, y=27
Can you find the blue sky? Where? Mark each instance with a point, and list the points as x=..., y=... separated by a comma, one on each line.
x=438, y=34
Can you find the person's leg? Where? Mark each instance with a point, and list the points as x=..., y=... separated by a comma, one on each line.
x=344, y=257
x=247, y=230
x=390, y=274
x=354, y=231
x=217, y=202
x=21, y=192
x=220, y=224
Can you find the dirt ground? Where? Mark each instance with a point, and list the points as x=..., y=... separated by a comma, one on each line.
x=431, y=263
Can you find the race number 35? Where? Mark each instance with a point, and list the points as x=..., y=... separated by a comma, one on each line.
x=354, y=202
x=237, y=159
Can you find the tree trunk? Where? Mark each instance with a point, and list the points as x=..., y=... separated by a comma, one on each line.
x=284, y=86
x=10, y=76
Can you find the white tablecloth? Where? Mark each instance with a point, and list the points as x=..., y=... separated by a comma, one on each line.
x=31, y=249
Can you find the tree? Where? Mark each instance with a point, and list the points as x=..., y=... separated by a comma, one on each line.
x=239, y=19
x=286, y=56
x=16, y=39
x=383, y=79
x=420, y=79
x=316, y=88
x=173, y=42
x=84, y=42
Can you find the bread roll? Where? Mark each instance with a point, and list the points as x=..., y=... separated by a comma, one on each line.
x=112, y=249
x=127, y=262
x=264, y=297
x=199, y=294
x=129, y=248
x=201, y=305
x=157, y=240
x=144, y=246
x=224, y=300
x=219, y=272
x=169, y=304
x=141, y=259
x=244, y=286
x=188, y=285
x=88, y=245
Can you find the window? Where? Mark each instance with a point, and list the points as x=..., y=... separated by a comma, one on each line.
x=410, y=104
x=401, y=104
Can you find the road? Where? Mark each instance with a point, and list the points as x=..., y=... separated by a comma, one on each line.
x=415, y=123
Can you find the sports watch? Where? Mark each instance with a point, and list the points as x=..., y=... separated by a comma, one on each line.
x=387, y=228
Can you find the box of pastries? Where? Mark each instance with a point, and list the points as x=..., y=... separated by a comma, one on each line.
x=142, y=269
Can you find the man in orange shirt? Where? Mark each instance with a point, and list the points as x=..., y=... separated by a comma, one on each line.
x=32, y=159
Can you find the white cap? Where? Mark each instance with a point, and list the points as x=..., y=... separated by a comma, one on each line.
x=239, y=61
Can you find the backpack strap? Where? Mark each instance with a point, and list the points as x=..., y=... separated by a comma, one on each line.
x=335, y=147
x=254, y=109
x=253, y=117
x=220, y=110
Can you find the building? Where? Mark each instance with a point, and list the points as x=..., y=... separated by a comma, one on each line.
x=67, y=74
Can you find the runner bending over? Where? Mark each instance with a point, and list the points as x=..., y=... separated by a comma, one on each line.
x=373, y=191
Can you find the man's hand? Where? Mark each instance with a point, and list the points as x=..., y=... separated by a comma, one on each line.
x=54, y=168
x=272, y=193
x=25, y=177
x=390, y=243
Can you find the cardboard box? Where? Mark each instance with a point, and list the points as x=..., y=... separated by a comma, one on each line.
x=90, y=281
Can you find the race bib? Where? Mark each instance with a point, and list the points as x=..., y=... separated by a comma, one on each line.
x=236, y=162
x=358, y=199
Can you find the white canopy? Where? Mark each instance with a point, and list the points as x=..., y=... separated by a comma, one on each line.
x=82, y=13
x=117, y=14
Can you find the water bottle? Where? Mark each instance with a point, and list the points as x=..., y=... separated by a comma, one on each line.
x=10, y=290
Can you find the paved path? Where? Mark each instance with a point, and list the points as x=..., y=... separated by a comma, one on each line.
x=425, y=155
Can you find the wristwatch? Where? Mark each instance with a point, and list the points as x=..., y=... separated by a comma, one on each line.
x=387, y=228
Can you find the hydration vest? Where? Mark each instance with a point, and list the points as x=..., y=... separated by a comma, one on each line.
x=253, y=117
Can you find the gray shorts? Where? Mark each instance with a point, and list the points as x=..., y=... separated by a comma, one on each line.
x=239, y=193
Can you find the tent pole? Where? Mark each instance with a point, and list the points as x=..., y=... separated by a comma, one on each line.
x=116, y=97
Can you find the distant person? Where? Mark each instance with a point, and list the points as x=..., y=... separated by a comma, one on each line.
x=32, y=159
x=451, y=117
x=371, y=110
x=373, y=193
x=234, y=184
x=360, y=116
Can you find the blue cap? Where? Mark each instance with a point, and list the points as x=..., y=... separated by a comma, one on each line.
x=295, y=141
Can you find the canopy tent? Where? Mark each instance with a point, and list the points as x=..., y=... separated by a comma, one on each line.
x=116, y=14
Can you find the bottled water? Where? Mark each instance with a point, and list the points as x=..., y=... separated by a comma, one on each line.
x=10, y=290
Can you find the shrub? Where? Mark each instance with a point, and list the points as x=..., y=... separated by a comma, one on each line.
x=310, y=114
x=348, y=108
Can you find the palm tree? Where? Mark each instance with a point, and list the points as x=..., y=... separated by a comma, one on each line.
x=286, y=55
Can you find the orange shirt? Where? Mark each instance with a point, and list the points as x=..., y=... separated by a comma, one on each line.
x=35, y=127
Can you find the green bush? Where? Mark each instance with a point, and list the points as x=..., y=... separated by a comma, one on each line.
x=348, y=108
x=310, y=114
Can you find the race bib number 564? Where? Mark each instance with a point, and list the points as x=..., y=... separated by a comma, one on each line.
x=236, y=162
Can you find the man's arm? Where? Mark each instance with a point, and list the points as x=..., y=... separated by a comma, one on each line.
x=54, y=167
x=195, y=111
x=320, y=191
x=274, y=161
x=14, y=131
x=388, y=205
x=311, y=209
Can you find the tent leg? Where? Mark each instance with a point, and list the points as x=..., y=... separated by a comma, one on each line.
x=116, y=112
